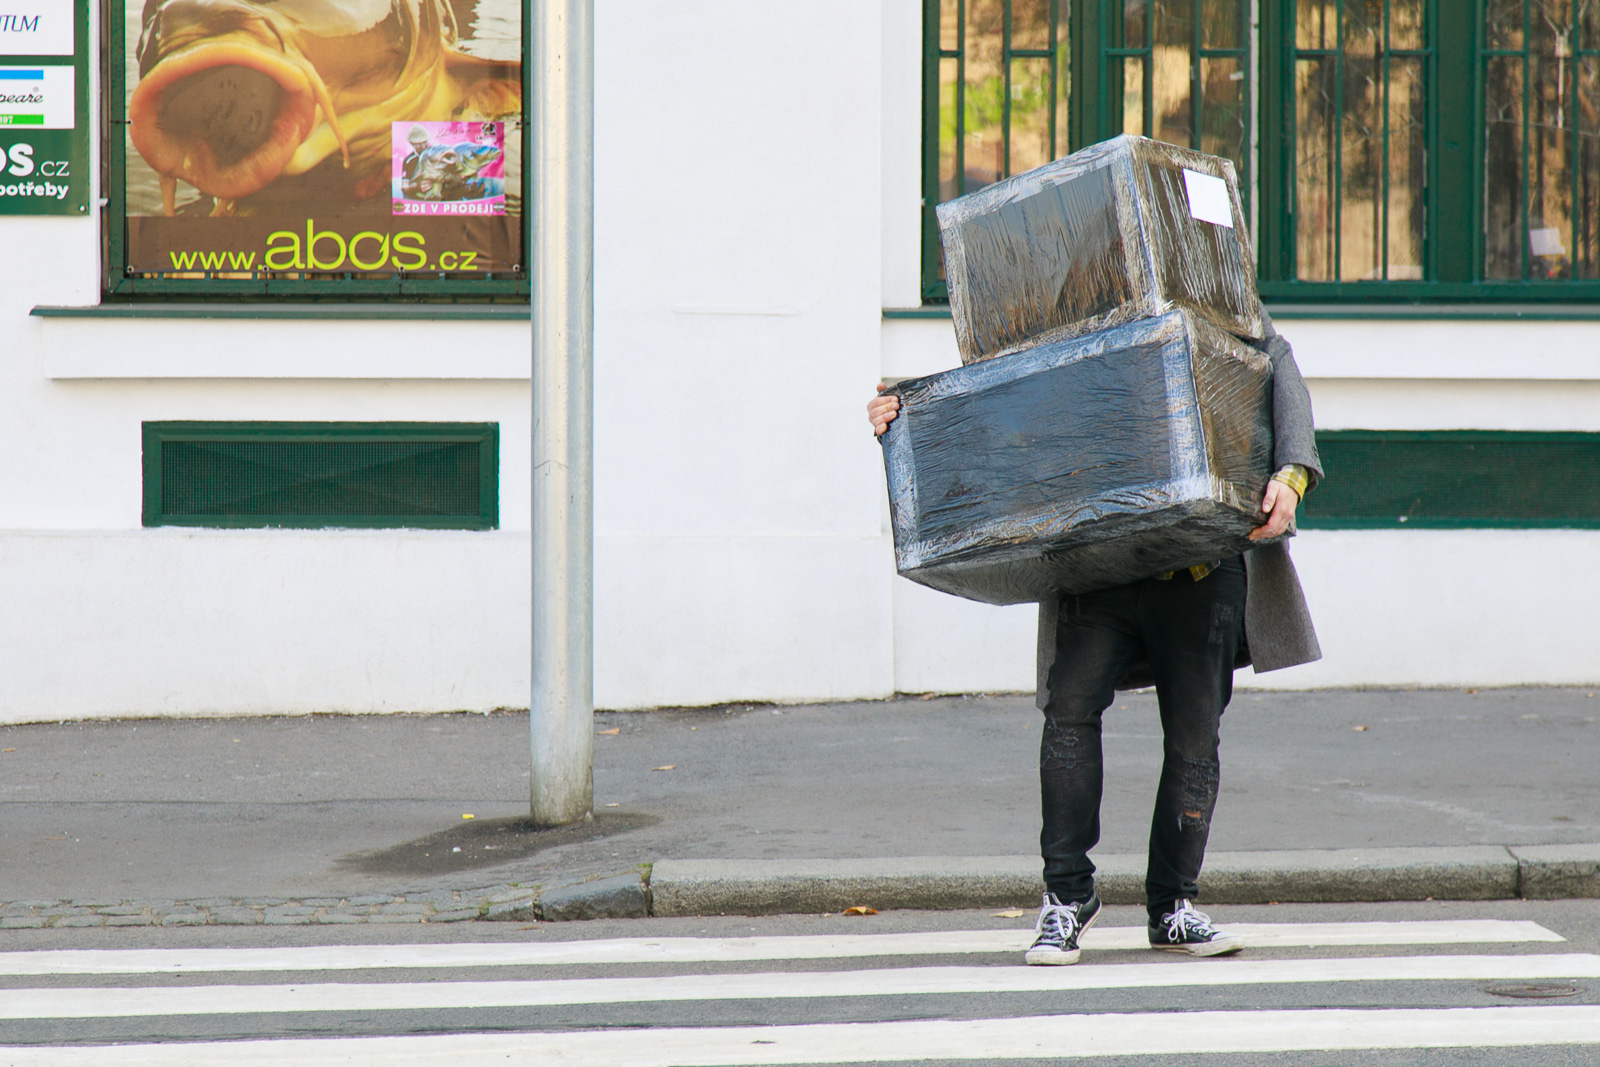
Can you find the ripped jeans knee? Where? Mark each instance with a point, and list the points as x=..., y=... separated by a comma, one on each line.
x=1066, y=745
x=1197, y=792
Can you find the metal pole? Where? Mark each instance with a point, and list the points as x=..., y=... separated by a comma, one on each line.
x=561, y=722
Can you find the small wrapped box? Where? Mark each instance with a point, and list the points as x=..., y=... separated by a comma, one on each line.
x=1126, y=229
x=1081, y=463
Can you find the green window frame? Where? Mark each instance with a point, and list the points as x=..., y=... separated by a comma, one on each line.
x=1116, y=51
x=179, y=491
x=119, y=283
x=1101, y=80
x=1455, y=479
x=1356, y=95
x=1014, y=96
x=1487, y=193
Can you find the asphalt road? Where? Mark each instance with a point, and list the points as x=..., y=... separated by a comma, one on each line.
x=1165, y=1005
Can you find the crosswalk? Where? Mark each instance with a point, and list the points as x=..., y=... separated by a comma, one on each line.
x=887, y=997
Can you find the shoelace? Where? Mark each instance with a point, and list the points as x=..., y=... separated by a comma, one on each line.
x=1057, y=922
x=1187, y=921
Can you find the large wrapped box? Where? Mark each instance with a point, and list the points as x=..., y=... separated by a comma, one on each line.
x=1126, y=229
x=1081, y=463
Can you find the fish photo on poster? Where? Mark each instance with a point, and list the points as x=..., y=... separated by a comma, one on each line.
x=449, y=168
x=238, y=108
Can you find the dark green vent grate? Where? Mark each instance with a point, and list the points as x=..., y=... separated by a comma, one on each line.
x=435, y=475
x=1455, y=478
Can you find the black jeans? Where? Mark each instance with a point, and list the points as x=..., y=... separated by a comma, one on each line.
x=1189, y=632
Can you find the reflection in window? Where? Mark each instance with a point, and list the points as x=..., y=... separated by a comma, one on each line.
x=1179, y=71
x=1002, y=80
x=1541, y=120
x=1175, y=70
x=1002, y=90
x=1361, y=71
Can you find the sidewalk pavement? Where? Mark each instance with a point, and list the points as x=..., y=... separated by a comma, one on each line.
x=1334, y=795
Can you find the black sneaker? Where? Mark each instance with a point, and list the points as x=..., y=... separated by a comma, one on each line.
x=1060, y=925
x=1188, y=930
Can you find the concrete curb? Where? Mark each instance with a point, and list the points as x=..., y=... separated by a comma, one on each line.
x=1482, y=872
x=1554, y=872
x=776, y=887
x=621, y=896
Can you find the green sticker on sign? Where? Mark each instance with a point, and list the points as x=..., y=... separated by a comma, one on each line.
x=44, y=107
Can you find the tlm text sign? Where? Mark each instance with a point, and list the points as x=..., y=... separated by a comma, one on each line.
x=36, y=28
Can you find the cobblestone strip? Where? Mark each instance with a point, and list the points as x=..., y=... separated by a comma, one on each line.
x=507, y=902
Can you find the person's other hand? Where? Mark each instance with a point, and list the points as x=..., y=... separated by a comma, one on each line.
x=1279, y=504
x=881, y=411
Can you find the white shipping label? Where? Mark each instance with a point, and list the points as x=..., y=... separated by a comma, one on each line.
x=1546, y=242
x=36, y=27
x=1208, y=198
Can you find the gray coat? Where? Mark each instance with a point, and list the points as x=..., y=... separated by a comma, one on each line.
x=1277, y=625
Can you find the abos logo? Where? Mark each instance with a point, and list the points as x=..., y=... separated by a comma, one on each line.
x=18, y=162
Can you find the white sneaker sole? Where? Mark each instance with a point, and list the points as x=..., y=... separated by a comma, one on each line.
x=1050, y=957
x=1224, y=946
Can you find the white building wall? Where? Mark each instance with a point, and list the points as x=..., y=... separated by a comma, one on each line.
x=737, y=216
x=740, y=553
x=757, y=208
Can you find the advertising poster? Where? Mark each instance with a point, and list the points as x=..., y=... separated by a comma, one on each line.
x=365, y=137
x=44, y=137
x=449, y=168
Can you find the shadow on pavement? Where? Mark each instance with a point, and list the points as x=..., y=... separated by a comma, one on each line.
x=486, y=843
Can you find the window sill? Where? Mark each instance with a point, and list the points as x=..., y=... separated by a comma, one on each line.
x=1373, y=311
x=1485, y=312
x=304, y=341
x=321, y=312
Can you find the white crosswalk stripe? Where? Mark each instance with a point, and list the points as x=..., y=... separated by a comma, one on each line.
x=82, y=1003
x=1042, y=1037
x=730, y=949
x=134, y=988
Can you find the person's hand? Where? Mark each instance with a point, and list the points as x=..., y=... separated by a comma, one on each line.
x=881, y=411
x=1279, y=504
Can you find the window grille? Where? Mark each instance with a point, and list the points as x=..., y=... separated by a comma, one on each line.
x=1361, y=71
x=261, y=474
x=1008, y=88
x=1454, y=479
x=1179, y=71
x=1405, y=150
x=1540, y=69
x=998, y=73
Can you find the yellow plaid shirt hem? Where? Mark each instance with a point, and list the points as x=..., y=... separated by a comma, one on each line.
x=1291, y=474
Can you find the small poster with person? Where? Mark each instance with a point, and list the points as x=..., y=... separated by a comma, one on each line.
x=448, y=168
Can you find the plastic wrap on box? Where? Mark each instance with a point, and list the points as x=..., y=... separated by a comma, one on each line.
x=1081, y=463
x=1126, y=229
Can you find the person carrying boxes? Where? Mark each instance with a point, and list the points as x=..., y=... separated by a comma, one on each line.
x=1183, y=630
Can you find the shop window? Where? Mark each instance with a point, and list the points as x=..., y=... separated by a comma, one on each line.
x=303, y=474
x=1178, y=72
x=995, y=88
x=1539, y=68
x=1389, y=149
x=1360, y=74
x=256, y=149
x=1456, y=478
